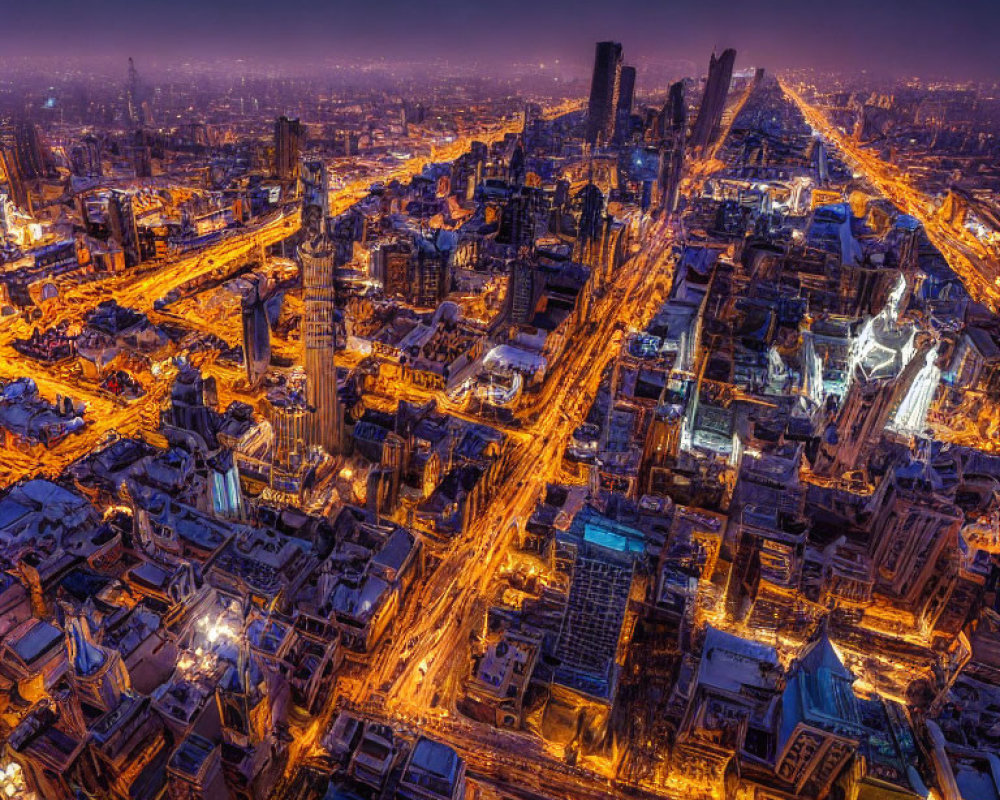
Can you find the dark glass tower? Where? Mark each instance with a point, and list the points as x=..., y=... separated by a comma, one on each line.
x=287, y=146
x=626, y=98
x=713, y=103
x=604, y=88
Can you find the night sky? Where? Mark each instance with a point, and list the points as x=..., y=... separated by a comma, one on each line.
x=954, y=39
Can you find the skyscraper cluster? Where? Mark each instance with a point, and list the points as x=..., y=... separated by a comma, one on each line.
x=472, y=447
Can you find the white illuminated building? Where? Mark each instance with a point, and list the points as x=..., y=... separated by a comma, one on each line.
x=812, y=370
x=883, y=346
x=911, y=416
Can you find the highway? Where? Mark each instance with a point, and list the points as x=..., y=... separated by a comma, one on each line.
x=416, y=674
x=965, y=254
x=106, y=414
x=139, y=289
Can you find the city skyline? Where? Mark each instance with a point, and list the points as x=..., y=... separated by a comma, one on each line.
x=405, y=425
x=896, y=38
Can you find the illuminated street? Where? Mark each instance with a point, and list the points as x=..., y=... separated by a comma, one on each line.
x=434, y=403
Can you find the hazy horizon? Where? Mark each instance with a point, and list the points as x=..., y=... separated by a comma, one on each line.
x=894, y=38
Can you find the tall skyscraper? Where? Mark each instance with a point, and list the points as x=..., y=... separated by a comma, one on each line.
x=713, y=102
x=319, y=296
x=315, y=198
x=604, y=88
x=591, y=212
x=256, y=330
x=32, y=154
x=673, y=122
x=252, y=753
x=674, y=113
x=133, y=105
x=521, y=291
x=287, y=146
x=11, y=170
x=626, y=98
x=142, y=160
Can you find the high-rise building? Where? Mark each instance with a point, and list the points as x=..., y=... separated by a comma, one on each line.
x=591, y=213
x=290, y=419
x=911, y=525
x=673, y=125
x=713, y=102
x=315, y=197
x=520, y=218
x=142, y=161
x=626, y=98
x=253, y=755
x=193, y=399
x=521, y=291
x=97, y=673
x=601, y=577
x=674, y=114
x=122, y=227
x=194, y=771
x=256, y=330
x=319, y=300
x=85, y=157
x=393, y=265
x=15, y=180
x=132, y=102
x=431, y=274
x=32, y=155
x=604, y=88
x=287, y=147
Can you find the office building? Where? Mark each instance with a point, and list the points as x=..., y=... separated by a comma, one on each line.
x=623, y=108
x=33, y=156
x=288, y=134
x=256, y=330
x=122, y=227
x=713, y=102
x=315, y=197
x=604, y=87
x=673, y=125
x=319, y=300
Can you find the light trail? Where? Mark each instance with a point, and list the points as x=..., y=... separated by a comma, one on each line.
x=965, y=254
x=140, y=288
x=401, y=686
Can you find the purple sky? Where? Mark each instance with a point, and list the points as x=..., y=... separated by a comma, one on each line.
x=955, y=39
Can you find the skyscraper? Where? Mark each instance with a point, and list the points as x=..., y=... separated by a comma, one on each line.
x=32, y=155
x=626, y=98
x=11, y=172
x=315, y=198
x=591, y=212
x=604, y=88
x=290, y=419
x=85, y=157
x=674, y=113
x=673, y=122
x=253, y=756
x=713, y=102
x=256, y=330
x=142, y=160
x=319, y=296
x=521, y=291
x=287, y=146
x=135, y=107
x=121, y=223
x=431, y=274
